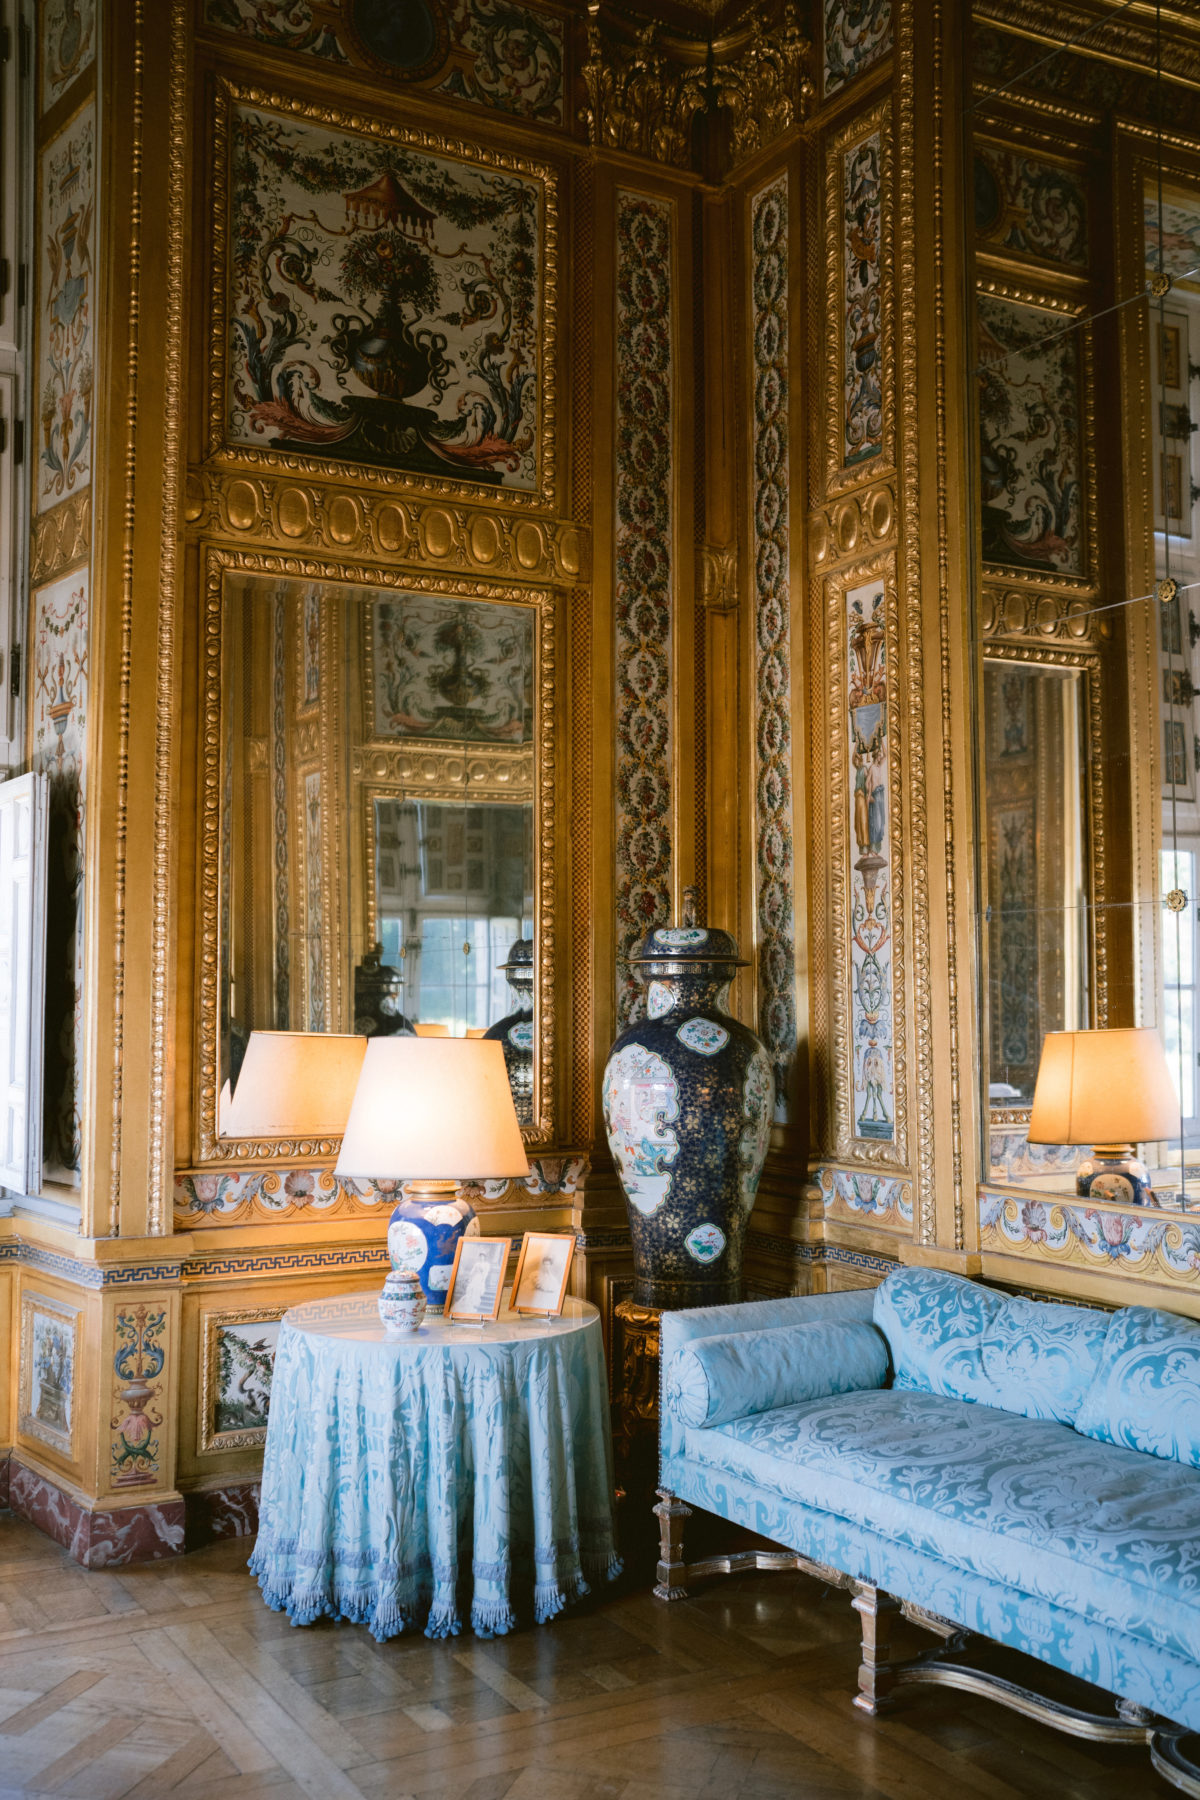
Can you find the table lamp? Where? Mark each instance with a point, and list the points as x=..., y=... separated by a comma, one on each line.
x=432, y=1112
x=1110, y=1089
x=293, y=1084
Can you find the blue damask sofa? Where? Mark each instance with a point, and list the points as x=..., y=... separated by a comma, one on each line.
x=1019, y=1469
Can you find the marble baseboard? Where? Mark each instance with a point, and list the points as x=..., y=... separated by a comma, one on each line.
x=103, y=1539
x=224, y=1512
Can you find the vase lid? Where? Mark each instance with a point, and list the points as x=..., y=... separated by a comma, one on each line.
x=687, y=942
x=520, y=956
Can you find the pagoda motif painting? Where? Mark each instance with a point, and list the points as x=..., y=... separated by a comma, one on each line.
x=384, y=305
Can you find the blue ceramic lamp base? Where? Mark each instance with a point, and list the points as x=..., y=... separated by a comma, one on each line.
x=424, y=1232
x=1113, y=1172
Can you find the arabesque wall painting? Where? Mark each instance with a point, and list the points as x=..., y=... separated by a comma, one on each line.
x=65, y=337
x=871, y=948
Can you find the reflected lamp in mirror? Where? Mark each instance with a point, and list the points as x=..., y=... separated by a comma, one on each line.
x=293, y=1084
x=432, y=1112
x=1112, y=1090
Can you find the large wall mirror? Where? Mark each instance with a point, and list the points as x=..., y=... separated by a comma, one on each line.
x=379, y=842
x=1088, y=670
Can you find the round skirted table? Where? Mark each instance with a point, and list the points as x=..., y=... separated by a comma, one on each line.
x=453, y=1472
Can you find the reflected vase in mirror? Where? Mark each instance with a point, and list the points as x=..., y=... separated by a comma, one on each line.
x=515, y=1031
x=688, y=1100
x=378, y=991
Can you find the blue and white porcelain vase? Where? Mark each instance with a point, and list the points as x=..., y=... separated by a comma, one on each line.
x=402, y=1305
x=688, y=1101
x=424, y=1232
x=515, y=1031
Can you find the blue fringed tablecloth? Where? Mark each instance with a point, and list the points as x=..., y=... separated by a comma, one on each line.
x=406, y=1476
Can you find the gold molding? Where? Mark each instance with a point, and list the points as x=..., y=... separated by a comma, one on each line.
x=717, y=572
x=208, y=1441
x=638, y=100
x=891, y=1155
x=211, y=1152
x=1027, y=616
x=853, y=523
x=1043, y=299
x=365, y=476
x=838, y=478
x=60, y=537
x=279, y=512
x=763, y=80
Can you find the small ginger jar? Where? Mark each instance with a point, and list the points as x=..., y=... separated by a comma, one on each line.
x=402, y=1303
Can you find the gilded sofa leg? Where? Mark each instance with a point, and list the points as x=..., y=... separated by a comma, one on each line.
x=874, y=1673
x=672, y=1583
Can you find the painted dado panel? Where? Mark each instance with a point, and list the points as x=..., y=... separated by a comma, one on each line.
x=768, y=312
x=487, y=52
x=858, y=354
x=644, y=577
x=66, y=46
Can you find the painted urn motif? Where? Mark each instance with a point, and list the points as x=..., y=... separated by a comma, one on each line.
x=688, y=1100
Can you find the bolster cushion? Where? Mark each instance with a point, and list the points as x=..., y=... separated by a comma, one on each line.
x=1146, y=1391
x=713, y=1380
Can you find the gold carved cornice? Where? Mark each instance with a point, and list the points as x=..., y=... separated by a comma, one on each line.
x=1125, y=39
x=853, y=523
x=645, y=87
x=279, y=513
x=60, y=537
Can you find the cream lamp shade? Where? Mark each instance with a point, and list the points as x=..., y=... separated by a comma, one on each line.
x=432, y=1109
x=293, y=1084
x=1103, y=1088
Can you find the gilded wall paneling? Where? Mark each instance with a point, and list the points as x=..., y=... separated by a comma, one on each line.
x=1027, y=486
x=768, y=307
x=218, y=561
x=512, y=59
x=283, y=514
x=853, y=524
x=858, y=296
x=644, y=598
x=278, y=353
x=864, y=756
x=60, y=537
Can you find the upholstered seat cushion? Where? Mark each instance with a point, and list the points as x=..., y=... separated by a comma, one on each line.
x=1100, y=1531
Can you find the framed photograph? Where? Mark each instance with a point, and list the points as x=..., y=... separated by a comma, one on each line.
x=237, y=1364
x=477, y=1279
x=543, y=1270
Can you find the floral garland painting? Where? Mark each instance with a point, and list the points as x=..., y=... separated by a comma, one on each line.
x=384, y=305
x=1029, y=428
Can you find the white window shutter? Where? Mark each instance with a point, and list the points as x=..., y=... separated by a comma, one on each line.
x=23, y=851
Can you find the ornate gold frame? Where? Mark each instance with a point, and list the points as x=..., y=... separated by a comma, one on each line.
x=219, y=560
x=229, y=94
x=838, y=478
x=1043, y=299
x=893, y=1154
x=210, y=1442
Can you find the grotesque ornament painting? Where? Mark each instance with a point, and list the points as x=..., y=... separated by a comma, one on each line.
x=384, y=305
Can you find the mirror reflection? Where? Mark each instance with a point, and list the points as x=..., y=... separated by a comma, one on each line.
x=377, y=817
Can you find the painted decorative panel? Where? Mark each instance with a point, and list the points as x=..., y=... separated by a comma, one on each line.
x=445, y=668
x=866, y=1199
x=644, y=598
x=1181, y=237
x=862, y=324
x=1034, y=207
x=857, y=34
x=314, y=910
x=292, y=26
x=509, y=57
x=49, y=1333
x=1030, y=440
x=1141, y=1244
x=489, y=52
x=239, y=1361
x=66, y=350
x=773, y=679
x=870, y=828
x=58, y=707
x=139, y=1355
x=226, y=1196
x=66, y=45
x=279, y=806
x=384, y=306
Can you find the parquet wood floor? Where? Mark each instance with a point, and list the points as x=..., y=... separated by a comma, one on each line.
x=174, y=1680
